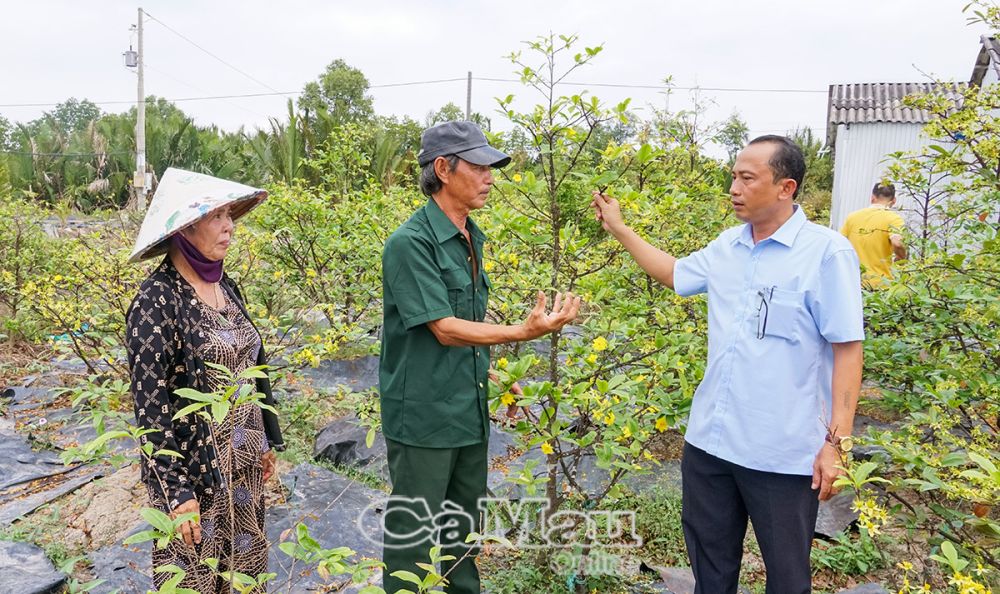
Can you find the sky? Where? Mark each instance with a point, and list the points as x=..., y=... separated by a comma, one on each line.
x=54, y=50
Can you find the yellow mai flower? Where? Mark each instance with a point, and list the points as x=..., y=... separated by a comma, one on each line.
x=569, y=360
x=507, y=399
x=609, y=419
x=626, y=431
x=488, y=265
x=661, y=424
x=591, y=358
x=310, y=273
x=600, y=344
x=547, y=449
x=502, y=363
x=517, y=178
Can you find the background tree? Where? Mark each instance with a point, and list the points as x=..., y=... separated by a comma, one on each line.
x=5, y=130
x=73, y=116
x=342, y=91
x=451, y=112
x=817, y=188
x=733, y=136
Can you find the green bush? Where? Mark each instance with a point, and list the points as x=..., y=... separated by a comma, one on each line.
x=934, y=351
x=847, y=555
x=25, y=253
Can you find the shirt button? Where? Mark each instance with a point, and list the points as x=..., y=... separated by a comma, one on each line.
x=480, y=384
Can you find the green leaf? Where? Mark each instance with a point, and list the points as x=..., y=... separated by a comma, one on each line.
x=164, y=452
x=644, y=154
x=219, y=411
x=253, y=373
x=157, y=519
x=408, y=576
x=954, y=459
x=100, y=440
x=195, y=407
x=195, y=395
x=140, y=537
x=983, y=462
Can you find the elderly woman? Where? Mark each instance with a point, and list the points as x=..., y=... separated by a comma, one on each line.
x=189, y=314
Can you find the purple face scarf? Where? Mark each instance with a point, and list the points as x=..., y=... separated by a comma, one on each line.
x=210, y=271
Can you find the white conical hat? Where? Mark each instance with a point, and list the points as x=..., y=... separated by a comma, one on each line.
x=184, y=197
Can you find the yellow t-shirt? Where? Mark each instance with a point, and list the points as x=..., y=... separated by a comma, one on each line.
x=868, y=230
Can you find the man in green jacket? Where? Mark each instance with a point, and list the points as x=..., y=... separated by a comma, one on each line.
x=435, y=360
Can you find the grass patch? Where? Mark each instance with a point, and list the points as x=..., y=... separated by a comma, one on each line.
x=658, y=522
x=611, y=570
x=304, y=412
x=515, y=571
x=363, y=476
x=44, y=528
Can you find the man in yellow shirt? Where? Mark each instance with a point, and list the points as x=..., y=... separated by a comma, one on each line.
x=875, y=233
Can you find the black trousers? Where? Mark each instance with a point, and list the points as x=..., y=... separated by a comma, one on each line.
x=433, y=482
x=719, y=496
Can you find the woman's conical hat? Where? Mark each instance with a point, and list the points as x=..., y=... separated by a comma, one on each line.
x=184, y=197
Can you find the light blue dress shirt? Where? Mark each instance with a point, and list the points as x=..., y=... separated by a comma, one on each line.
x=773, y=310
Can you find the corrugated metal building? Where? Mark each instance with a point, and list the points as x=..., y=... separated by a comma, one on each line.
x=868, y=121
x=865, y=123
x=987, y=66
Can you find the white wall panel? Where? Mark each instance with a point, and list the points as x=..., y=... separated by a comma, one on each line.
x=861, y=160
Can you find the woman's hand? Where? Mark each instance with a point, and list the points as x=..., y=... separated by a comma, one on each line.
x=267, y=460
x=190, y=530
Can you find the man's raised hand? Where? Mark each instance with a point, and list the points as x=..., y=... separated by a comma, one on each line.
x=539, y=322
x=608, y=211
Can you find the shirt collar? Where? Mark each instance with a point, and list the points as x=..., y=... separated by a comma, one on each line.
x=785, y=234
x=442, y=226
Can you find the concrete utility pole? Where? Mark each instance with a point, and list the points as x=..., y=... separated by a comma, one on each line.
x=468, y=98
x=139, y=181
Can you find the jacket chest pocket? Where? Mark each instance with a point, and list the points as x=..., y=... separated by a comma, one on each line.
x=459, y=284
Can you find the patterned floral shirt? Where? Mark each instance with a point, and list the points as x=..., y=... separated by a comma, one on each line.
x=166, y=336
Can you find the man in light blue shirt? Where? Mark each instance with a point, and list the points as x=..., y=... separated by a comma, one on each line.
x=769, y=419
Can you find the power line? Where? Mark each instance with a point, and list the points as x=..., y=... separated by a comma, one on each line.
x=174, y=78
x=238, y=96
x=433, y=82
x=418, y=82
x=662, y=87
x=187, y=39
x=175, y=100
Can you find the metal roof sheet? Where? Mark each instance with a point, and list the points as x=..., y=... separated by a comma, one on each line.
x=989, y=57
x=883, y=102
